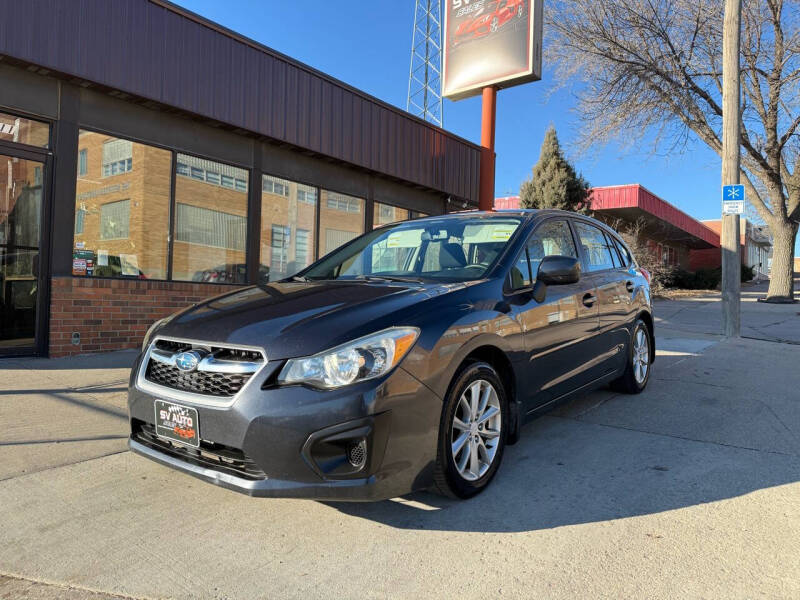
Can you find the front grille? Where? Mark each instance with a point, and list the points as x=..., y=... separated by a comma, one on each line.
x=218, y=457
x=209, y=384
x=216, y=375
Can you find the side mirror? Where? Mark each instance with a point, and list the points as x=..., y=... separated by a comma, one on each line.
x=559, y=270
x=555, y=270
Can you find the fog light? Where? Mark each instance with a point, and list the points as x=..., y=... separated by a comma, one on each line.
x=357, y=453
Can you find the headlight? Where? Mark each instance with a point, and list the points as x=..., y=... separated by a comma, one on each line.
x=152, y=330
x=359, y=360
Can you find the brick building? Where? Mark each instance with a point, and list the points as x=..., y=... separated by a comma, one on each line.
x=755, y=248
x=132, y=185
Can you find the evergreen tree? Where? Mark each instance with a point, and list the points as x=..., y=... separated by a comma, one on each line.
x=554, y=183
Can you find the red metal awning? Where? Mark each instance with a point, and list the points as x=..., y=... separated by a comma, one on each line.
x=630, y=202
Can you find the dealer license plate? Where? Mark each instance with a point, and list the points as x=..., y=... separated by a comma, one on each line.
x=177, y=423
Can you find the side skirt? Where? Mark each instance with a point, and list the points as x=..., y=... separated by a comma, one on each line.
x=595, y=383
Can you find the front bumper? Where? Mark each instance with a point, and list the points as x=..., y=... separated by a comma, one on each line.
x=290, y=436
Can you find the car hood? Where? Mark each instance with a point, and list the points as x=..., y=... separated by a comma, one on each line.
x=290, y=319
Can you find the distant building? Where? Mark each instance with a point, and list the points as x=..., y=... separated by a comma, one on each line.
x=672, y=234
x=756, y=248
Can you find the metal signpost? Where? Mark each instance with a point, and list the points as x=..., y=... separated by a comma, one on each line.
x=489, y=46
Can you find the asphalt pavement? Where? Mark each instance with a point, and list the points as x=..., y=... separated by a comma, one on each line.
x=688, y=490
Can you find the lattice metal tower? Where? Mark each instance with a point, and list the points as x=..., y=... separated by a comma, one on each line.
x=424, y=79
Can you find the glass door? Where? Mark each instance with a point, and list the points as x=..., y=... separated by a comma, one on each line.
x=21, y=184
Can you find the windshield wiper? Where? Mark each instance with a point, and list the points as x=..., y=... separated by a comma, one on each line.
x=302, y=278
x=399, y=278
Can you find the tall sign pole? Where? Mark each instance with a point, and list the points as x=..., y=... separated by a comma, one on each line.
x=488, y=118
x=731, y=126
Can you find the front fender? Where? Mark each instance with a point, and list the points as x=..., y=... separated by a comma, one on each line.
x=435, y=362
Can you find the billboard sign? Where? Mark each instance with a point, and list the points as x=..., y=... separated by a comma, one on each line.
x=490, y=42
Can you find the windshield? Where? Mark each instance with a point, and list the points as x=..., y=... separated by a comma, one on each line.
x=446, y=249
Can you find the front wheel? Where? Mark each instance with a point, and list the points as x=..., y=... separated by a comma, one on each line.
x=637, y=369
x=472, y=432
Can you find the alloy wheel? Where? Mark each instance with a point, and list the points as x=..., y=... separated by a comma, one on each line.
x=641, y=355
x=476, y=429
x=493, y=26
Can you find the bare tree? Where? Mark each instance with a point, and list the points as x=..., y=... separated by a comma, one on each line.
x=657, y=65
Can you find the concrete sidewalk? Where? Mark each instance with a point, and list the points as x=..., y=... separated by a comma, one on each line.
x=702, y=314
x=689, y=490
x=62, y=411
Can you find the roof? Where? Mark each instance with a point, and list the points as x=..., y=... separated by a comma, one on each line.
x=165, y=56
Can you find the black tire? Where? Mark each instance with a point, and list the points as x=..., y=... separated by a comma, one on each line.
x=448, y=481
x=631, y=382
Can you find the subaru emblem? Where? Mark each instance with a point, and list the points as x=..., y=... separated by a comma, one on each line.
x=187, y=361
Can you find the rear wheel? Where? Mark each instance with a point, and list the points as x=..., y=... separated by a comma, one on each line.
x=637, y=370
x=472, y=432
x=494, y=24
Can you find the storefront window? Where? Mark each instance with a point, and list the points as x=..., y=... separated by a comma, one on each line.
x=341, y=220
x=24, y=131
x=288, y=219
x=385, y=214
x=121, y=208
x=210, y=221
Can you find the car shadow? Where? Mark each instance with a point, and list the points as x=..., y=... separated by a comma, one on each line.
x=568, y=472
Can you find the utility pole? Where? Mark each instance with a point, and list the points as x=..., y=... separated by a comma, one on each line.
x=731, y=127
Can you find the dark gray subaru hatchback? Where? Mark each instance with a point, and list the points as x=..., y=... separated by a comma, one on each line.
x=405, y=360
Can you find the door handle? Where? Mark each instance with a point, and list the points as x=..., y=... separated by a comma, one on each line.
x=629, y=286
x=589, y=299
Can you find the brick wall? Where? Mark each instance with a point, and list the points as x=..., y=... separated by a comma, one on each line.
x=113, y=314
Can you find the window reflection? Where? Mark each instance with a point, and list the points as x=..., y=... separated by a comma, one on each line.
x=24, y=131
x=341, y=220
x=210, y=221
x=288, y=220
x=20, y=209
x=385, y=214
x=122, y=200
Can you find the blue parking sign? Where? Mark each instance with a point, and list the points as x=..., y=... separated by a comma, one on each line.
x=732, y=192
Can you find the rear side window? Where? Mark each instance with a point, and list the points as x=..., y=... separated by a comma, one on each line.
x=623, y=252
x=595, y=247
x=615, y=258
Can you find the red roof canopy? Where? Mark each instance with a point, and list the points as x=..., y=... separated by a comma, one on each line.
x=628, y=200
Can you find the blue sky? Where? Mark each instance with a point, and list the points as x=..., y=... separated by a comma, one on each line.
x=368, y=45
